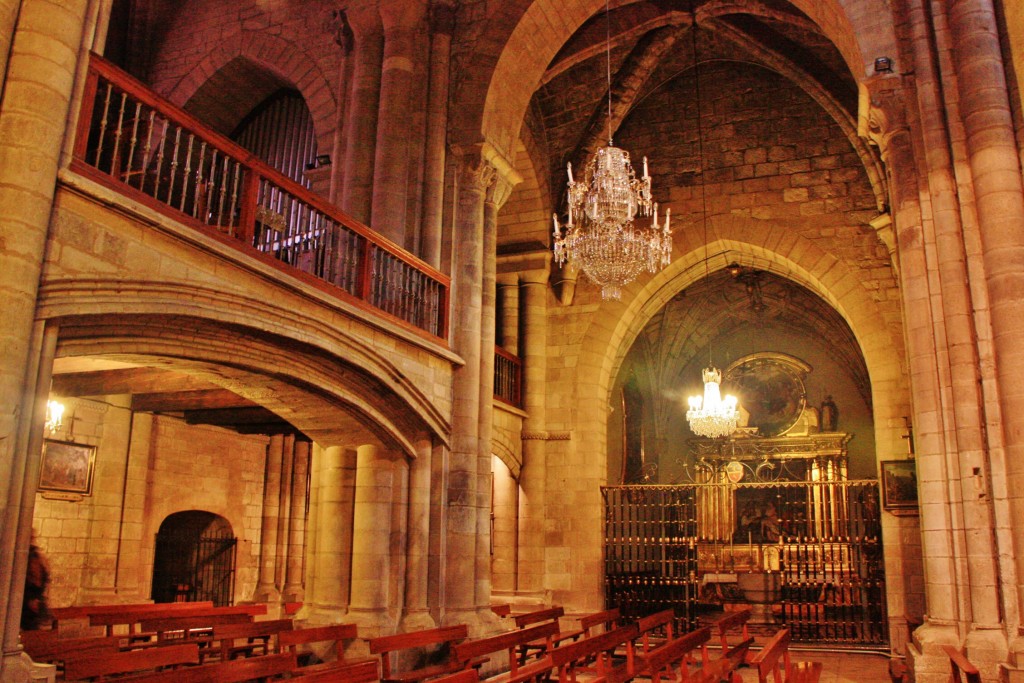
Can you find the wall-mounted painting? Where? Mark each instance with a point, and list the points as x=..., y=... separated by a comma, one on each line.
x=899, y=486
x=67, y=467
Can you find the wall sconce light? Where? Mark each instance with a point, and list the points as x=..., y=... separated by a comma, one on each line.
x=883, y=65
x=54, y=416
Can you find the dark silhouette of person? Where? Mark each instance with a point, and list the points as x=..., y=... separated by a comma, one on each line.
x=34, y=611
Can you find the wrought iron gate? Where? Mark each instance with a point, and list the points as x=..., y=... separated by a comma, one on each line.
x=189, y=567
x=804, y=554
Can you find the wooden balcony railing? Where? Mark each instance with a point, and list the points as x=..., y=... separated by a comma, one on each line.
x=137, y=143
x=508, y=377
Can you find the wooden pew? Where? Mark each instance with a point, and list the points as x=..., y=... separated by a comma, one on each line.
x=958, y=664
x=363, y=672
x=663, y=661
x=774, y=661
x=446, y=637
x=46, y=646
x=727, y=626
x=470, y=651
x=608, y=620
x=572, y=657
x=154, y=614
x=725, y=667
x=335, y=634
x=100, y=667
x=60, y=614
x=540, y=616
x=258, y=636
x=656, y=629
x=268, y=667
x=194, y=627
x=502, y=610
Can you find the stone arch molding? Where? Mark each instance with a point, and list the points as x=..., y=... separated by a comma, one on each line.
x=326, y=382
x=282, y=57
x=612, y=331
x=860, y=29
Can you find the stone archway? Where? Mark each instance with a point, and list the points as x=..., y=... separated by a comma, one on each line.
x=194, y=559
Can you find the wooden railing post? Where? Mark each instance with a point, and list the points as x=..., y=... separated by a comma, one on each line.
x=247, y=213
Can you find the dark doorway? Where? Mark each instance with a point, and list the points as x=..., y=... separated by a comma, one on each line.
x=195, y=559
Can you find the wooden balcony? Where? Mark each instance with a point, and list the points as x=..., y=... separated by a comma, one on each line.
x=142, y=146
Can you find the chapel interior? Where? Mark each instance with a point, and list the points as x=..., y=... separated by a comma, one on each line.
x=302, y=279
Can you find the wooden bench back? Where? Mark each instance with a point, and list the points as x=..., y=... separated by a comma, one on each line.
x=502, y=610
x=730, y=622
x=46, y=646
x=85, y=611
x=652, y=623
x=609, y=618
x=958, y=663
x=469, y=650
x=317, y=634
x=600, y=647
x=173, y=626
x=234, y=671
x=155, y=612
x=671, y=655
x=774, y=658
x=385, y=645
x=546, y=614
x=363, y=672
x=227, y=634
x=104, y=665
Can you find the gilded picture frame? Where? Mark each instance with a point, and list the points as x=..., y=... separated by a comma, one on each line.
x=67, y=467
x=899, y=485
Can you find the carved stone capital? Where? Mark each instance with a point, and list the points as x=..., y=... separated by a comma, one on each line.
x=883, y=112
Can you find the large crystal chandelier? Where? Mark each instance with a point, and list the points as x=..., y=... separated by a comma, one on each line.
x=599, y=236
x=712, y=416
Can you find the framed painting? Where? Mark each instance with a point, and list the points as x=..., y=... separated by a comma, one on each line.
x=899, y=485
x=67, y=467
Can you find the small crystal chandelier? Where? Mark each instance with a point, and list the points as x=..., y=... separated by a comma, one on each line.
x=711, y=415
x=599, y=236
x=54, y=416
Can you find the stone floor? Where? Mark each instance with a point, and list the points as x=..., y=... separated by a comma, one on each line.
x=841, y=668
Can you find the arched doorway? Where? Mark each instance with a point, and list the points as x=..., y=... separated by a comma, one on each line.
x=194, y=559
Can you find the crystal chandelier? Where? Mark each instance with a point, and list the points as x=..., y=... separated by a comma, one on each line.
x=54, y=416
x=712, y=416
x=599, y=236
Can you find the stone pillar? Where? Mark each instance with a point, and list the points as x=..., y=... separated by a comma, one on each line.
x=416, y=614
x=371, y=540
x=985, y=637
x=442, y=26
x=994, y=161
x=508, y=301
x=467, y=290
x=33, y=117
x=506, y=530
x=267, y=588
x=284, y=508
x=530, y=579
x=361, y=128
x=333, y=534
x=401, y=21
x=296, y=539
x=345, y=41
x=945, y=602
x=130, y=573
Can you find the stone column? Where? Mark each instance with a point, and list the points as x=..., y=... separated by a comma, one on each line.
x=130, y=578
x=296, y=539
x=945, y=603
x=994, y=161
x=284, y=507
x=267, y=588
x=508, y=301
x=401, y=21
x=534, y=291
x=985, y=637
x=467, y=289
x=333, y=534
x=371, y=540
x=361, y=128
x=488, y=321
x=33, y=119
x=417, y=614
x=442, y=26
